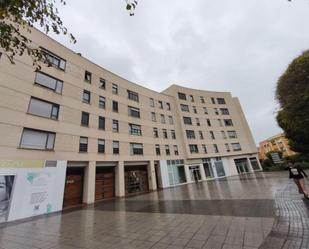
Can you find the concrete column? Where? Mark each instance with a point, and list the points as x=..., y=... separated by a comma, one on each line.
x=188, y=174
x=89, y=183
x=120, y=188
x=152, y=181
x=202, y=171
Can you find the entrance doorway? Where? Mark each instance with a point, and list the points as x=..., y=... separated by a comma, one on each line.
x=104, y=183
x=195, y=173
x=208, y=168
x=136, y=180
x=241, y=165
x=73, y=191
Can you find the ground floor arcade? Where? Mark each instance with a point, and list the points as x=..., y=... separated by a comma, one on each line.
x=89, y=182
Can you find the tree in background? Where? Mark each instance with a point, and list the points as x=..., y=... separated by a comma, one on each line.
x=17, y=16
x=293, y=96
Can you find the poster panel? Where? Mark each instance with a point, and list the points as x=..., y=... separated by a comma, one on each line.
x=30, y=191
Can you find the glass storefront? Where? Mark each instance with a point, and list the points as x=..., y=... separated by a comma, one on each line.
x=208, y=168
x=219, y=167
x=242, y=165
x=176, y=172
x=136, y=180
x=254, y=163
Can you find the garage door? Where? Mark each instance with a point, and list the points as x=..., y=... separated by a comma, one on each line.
x=105, y=183
x=73, y=192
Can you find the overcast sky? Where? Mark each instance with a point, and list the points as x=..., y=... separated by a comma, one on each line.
x=241, y=46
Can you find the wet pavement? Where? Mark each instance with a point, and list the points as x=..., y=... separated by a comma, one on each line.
x=252, y=211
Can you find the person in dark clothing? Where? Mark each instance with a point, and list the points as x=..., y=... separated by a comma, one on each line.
x=298, y=174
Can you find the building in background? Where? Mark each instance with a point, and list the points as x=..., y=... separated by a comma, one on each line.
x=275, y=143
x=117, y=138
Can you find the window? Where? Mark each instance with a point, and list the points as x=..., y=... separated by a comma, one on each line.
x=102, y=83
x=216, y=111
x=184, y=108
x=135, y=129
x=202, y=99
x=151, y=102
x=164, y=133
x=54, y=60
x=212, y=135
x=155, y=132
x=232, y=134
x=86, y=97
x=191, y=98
x=216, y=150
x=182, y=96
x=114, y=88
x=83, y=144
x=136, y=149
x=220, y=122
x=204, y=148
x=223, y=134
x=176, y=152
x=173, y=134
x=158, y=152
x=87, y=76
x=228, y=122
x=208, y=122
x=167, y=150
x=224, y=111
x=115, y=106
x=187, y=120
x=48, y=82
x=85, y=119
x=132, y=95
x=221, y=101
x=227, y=147
x=168, y=105
x=205, y=110
x=101, y=145
x=37, y=139
x=115, y=126
x=160, y=104
x=236, y=146
x=194, y=109
x=170, y=120
x=162, y=118
x=190, y=134
x=153, y=117
x=197, y=120
x=101, y=123
x=193, y=148
x=115, y=147
x=201, y=134
x=102, y=102
x=43, y=108
x=133, y=112
x=213, y=100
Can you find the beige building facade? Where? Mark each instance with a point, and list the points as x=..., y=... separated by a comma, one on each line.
x=116, y=137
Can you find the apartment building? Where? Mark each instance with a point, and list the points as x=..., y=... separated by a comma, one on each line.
x=115, y=138
x=275, y=143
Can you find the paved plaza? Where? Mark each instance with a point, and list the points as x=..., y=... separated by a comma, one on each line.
x=262, y=210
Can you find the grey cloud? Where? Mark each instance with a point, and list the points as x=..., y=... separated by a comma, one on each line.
x=238, y=46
